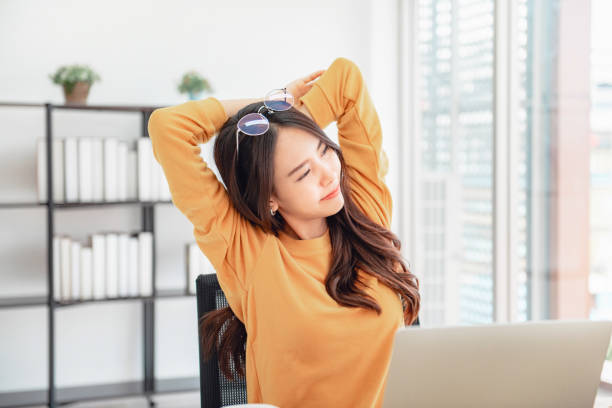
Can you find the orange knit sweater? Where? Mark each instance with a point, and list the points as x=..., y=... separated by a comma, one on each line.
x=303, y=349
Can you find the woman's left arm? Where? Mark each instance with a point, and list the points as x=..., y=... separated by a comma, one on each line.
x=341, y=95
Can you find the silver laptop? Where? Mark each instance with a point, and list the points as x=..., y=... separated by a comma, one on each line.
x=550, y=363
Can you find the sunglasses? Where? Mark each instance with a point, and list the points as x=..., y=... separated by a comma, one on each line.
x=256, y=124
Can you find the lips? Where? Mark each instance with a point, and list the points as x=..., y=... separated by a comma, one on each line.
x=332, y=193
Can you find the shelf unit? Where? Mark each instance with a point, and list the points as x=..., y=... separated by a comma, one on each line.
x=149, y=386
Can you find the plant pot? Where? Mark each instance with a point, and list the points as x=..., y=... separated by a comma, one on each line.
x=195, y=95
x=79, y=93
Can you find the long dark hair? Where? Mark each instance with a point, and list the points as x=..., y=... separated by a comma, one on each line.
x=356, y=240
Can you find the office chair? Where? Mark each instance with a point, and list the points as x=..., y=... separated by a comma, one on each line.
x=215, y=389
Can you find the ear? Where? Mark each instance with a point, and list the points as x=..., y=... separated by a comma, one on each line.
x=273, y=203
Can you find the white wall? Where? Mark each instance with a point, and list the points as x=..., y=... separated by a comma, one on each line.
x=141, y=48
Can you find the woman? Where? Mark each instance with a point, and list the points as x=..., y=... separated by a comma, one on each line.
x=300, y=239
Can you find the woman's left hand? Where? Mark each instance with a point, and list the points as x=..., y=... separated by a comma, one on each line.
x=301, y=86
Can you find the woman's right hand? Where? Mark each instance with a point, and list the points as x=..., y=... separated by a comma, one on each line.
x=301, y=86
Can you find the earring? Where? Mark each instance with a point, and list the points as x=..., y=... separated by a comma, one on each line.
x=272, y=212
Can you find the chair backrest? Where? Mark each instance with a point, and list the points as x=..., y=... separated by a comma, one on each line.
x=215, y=390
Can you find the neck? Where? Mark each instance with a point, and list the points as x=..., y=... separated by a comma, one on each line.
x=310, y=230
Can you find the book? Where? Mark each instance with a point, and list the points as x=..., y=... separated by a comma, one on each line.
x=193, y=266
x=197, y=264
x=164, y=189
x=97, y=169
x=205, y=266
x=122, y=157
x=71, y=169
x=65, y=269
x=145, y=263
x=156, y=173
x=98, y=242
x=59, y=195
x=144, y=169
x=123, y=259
x=132, y=175
x=112, y=265
x=57, y=290
x=110, y=169
x=41, y=169
x=85, y=177
x=86, y=273
x=133, y=266
x=75, y=270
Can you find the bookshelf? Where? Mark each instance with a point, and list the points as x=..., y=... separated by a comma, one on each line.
x=51, y=396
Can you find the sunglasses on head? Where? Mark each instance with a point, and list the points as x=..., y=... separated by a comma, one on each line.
x=256, y=124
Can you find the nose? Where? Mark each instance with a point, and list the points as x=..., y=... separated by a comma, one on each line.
x=327, y=175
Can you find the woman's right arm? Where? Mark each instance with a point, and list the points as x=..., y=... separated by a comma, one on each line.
x=232, y=106
x=224, y=236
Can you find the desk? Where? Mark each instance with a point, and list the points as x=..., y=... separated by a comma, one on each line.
x=604, y=396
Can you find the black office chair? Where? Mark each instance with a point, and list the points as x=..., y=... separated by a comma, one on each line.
x=215, y=389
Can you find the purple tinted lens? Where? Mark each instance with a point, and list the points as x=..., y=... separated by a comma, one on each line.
x=278, y=105
x=253, y=124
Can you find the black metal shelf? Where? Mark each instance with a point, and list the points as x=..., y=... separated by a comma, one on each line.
x=81, y=204
x=115, y=108
x=97, y=392
x=25, y=301
x=52, y=396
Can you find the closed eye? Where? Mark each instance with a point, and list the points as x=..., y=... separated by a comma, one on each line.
x=308, y=171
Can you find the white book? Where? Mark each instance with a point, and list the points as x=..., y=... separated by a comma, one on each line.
x=110, y=169
x=162, y=189
x=75, y=270
x=205, y=266
x=144, y=169
x=112, y=265
x=132, y=175
x=133, y=269
x=98, y=244
x=57, y=290
x=41, y=169
x=123, y=258
x=166, y=195
x=86, y=273
x=145, y=263
x=97, y=169
x=193, y=266
x=65, y=270
x=122, y=188
x=71, y=169
x=156, y=173
x=85, y=170
x=59, y=195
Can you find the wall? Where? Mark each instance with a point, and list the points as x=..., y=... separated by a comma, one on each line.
x=141, y=48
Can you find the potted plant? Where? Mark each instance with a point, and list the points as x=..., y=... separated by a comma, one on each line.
x=76, y=80
x=194, y=84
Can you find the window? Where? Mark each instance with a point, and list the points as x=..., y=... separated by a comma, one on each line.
x=511, y=170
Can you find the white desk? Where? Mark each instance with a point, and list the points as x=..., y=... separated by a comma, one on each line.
x=604, y=396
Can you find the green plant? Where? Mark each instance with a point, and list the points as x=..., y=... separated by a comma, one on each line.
x=69, y=75
x=193, y=83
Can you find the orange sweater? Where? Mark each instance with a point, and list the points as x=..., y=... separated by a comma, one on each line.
x=303, y=349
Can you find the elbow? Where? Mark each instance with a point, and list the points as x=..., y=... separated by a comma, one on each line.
x=157, y=121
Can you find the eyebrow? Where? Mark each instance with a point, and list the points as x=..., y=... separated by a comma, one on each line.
x=304, y=162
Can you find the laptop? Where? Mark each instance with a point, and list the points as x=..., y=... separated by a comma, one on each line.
x=550, y=363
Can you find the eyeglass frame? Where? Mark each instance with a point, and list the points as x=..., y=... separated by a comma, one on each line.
x=263, y=108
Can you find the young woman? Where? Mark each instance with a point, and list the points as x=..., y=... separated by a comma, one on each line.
x=299, y=237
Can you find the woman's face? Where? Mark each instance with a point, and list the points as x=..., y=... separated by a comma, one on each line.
x=305, y=172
